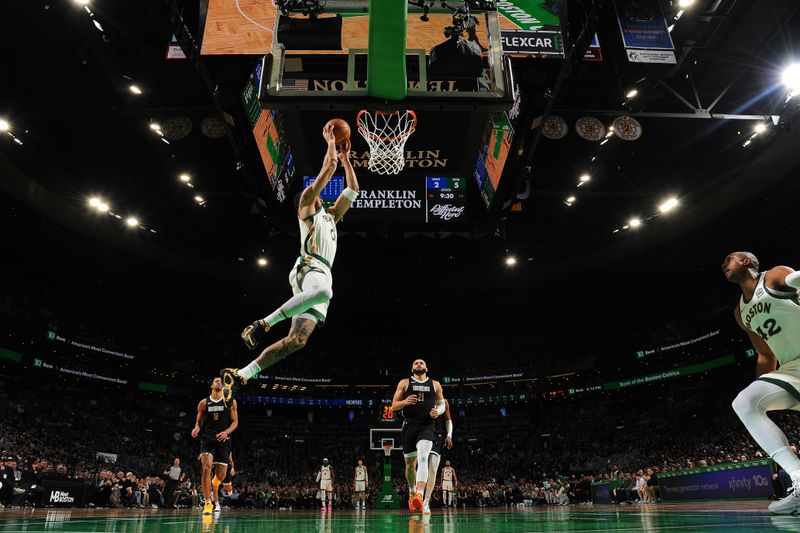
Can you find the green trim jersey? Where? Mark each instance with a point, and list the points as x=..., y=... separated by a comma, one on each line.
x=361, y=473
x=447, y=473
x=775, y=317
x=318, y=238
x=325, y=473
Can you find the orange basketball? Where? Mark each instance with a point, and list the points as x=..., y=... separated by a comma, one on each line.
x=341, y=130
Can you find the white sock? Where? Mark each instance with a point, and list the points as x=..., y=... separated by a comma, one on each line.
x=250, y=371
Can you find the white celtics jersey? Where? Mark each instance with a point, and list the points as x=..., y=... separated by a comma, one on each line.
x=447, y=473
x=318, y=237
x=775, y=317
x=361, y=473
x=325, y=473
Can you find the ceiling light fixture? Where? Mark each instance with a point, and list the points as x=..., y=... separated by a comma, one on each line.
x=135, y=89
x=683, y=4
x=631, y=93
x=4, y=125
x=132, y=222
x=760, y=128
x=634, y=222
x=668, y=205
x=511, y=260
x=791, y=77
x=186, y=178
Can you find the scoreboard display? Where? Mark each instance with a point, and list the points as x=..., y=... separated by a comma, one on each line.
x=446, y=198
x=413, y=199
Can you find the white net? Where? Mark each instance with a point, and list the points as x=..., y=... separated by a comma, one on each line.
x=386, y=134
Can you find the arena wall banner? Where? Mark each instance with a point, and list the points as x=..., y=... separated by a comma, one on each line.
x=644, y=32
x=733, y=481
x=669, y=374
x=63, y=492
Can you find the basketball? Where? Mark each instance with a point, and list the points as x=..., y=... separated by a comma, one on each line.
x=341, y=130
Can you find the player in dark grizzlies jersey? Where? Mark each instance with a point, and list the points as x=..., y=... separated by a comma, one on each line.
x=421, y=400
x=216, y=420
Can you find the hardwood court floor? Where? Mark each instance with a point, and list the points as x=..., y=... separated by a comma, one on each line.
x=245, y=27
x=695, y=517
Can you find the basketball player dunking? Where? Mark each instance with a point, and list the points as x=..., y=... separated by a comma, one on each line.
x=216, y=420
x=325, y=479
x=421, y=400
x=769, y=311
x=361, y=482
x=311, y=278
x=442, y=436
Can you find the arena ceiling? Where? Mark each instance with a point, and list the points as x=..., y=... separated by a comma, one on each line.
x=65, y=90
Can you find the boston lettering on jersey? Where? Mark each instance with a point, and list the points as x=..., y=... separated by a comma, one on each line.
x=758, y=308
x=774, y=316
x=426, y=400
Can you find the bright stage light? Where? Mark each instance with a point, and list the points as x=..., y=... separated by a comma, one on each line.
x=761, y=128
x=262, y=262
x=669, y=205
x=586, y=178
x=132, y=222
x=631, y=93
x=94, y=202
x=4, y=125
x=135, y=89
x=791, y=77
x=185, y=178
x=683, y=4
x=511, y=260
x=634, y=222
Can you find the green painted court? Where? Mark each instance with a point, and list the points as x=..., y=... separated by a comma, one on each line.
x=729, y=516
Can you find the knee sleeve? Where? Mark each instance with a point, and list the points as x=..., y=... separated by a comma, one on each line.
x=423, y=452
x=434, y=464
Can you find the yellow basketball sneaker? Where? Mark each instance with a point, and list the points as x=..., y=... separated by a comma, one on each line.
x=255, y=333
x=208, y=508
x=230, y=382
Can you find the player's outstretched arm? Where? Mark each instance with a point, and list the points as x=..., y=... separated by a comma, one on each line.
x=329, y=163
x=783, y=278
x=766, y=362
x=348, y=196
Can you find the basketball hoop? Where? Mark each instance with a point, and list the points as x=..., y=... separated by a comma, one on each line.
x=387, y=448
x=386, y=133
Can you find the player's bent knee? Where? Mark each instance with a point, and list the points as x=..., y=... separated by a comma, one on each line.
x=296, y=341
x=745, y=403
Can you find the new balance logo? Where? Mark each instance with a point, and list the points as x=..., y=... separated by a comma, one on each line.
x=61, y=497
